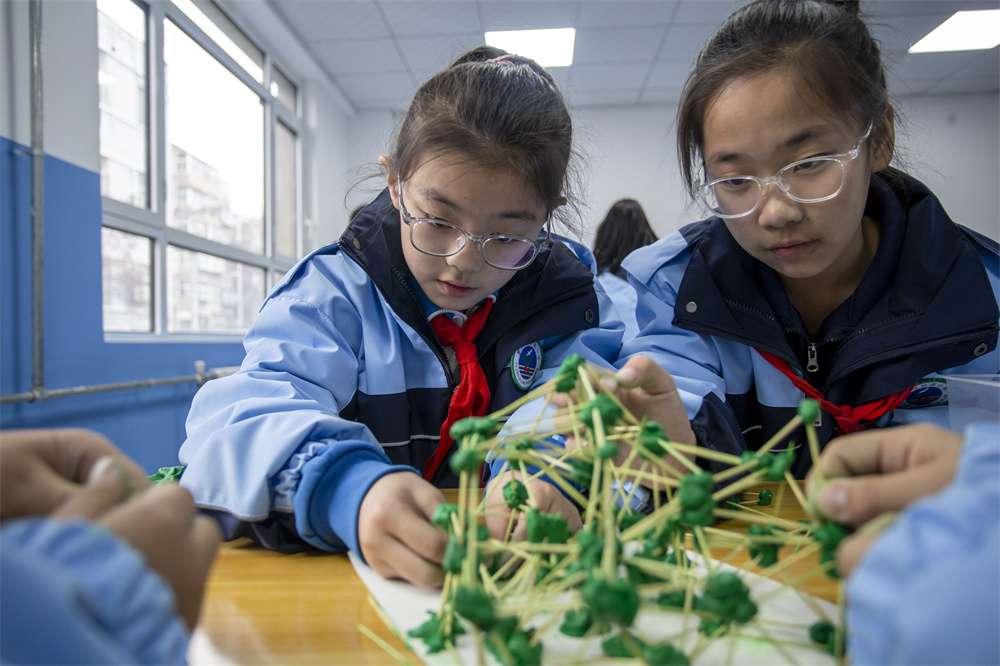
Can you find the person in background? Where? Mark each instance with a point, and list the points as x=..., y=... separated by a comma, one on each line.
x=624, y=229
x=96, y=567
x=446, y=297
x=926, y=589
x=823, y=272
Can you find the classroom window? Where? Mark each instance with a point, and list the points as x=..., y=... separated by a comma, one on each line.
x=199, y=169
x=126, y=281
x=122, y=76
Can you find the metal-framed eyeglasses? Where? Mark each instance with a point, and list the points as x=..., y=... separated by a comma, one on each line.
x=811, y=180
x=441, y=239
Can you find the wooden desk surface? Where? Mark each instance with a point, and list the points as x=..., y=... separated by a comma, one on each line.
x=263, y=607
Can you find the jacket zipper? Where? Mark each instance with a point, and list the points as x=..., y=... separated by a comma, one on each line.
x=812, y=363
x=437, y=347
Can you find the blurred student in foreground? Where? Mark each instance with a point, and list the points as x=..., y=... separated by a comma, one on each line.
x=96, y=567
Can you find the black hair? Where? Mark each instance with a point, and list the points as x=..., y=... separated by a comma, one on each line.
x=826, y=43
x=625, y=228
x=505, y=113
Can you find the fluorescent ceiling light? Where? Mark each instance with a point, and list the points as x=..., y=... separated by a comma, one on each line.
x=549, y=48
x=965, y=31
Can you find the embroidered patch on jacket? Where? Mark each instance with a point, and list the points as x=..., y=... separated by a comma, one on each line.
x=524, y=365
x=929, y=392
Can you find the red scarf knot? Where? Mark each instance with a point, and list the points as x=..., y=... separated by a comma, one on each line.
x=472, y=396
x=849, y=419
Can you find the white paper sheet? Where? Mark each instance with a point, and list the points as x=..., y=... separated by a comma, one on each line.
x=785, y=617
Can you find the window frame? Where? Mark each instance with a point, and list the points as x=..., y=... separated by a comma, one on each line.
x=151, y=222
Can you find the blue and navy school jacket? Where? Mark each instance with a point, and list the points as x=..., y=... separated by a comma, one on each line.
x=344, y=381
x=926, y=308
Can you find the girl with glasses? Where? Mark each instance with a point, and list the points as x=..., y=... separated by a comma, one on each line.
x=446, y=297
x=823, y=271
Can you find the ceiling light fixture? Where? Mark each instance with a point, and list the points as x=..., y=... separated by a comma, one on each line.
x=964, y=31
x=549, y=48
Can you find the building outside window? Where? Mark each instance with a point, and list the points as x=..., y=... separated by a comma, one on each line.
x=189, y=101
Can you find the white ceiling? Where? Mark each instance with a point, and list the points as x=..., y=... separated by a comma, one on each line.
x=628, y=52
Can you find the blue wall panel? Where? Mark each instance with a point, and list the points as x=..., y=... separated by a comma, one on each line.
x=147, y=423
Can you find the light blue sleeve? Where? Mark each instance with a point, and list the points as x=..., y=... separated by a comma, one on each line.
x=622, y=294
x=261, y=442
x=655, y=273
x=928, y=590
x=71, y=593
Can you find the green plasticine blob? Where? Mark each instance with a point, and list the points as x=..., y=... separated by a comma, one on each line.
x=515, y=494
x=617, y=647
x=764, y=498
x=454, y=555
x=442, y=515
x=609, y=410
x=576, y=623
x=664, y=654
x=808, y=411
x=697, y=505
x=466, y=460
x=167, y=474
x=475, y=605
x=474, y=425
x=614, y=602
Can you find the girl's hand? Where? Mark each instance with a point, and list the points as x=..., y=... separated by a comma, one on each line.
x=548, y=499
x=647, y=390
x=880, y=471
x=42, y=469
x=395, y=531
x=68, y=474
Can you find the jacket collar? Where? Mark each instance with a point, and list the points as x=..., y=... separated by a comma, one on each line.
x=372, y=239
x=927, y=288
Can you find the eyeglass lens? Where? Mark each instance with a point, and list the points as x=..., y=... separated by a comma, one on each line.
x=812, y=180
x=445, y=240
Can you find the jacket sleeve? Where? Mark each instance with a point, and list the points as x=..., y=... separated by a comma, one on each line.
x=694, y=360
x=928, y=590
x=265, y=444
x=599, y=346
x=71, y=593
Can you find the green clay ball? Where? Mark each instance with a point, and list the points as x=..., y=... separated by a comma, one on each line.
x=611, y=601
x=809, y=411
x=821, y=632
x=442, y=515
x=523, y=652
x=764, y=499
x=466, y=460
x=576, y=623
x=475, y=605
x=607, y=451
x=617, y=648
x=664, y=654
x=606, y=407
x=672, y=599
x=474, y=425
x=453, y=556
x=571, y=364
x=515, y=494
x=564, y=383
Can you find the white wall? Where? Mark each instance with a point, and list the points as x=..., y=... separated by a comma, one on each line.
x=69, y=78
x=951, y=143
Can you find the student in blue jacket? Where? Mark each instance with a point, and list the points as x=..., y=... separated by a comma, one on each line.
x=624, y=228
x=823, y=272
x=926, y=590
x=447, y=296
x=95, y=567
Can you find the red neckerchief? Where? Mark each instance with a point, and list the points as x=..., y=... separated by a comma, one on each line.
x=849, y=419
x=472, y=396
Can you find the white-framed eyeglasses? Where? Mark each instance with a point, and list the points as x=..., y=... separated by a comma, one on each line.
x=811, y=180
x=442, y=239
